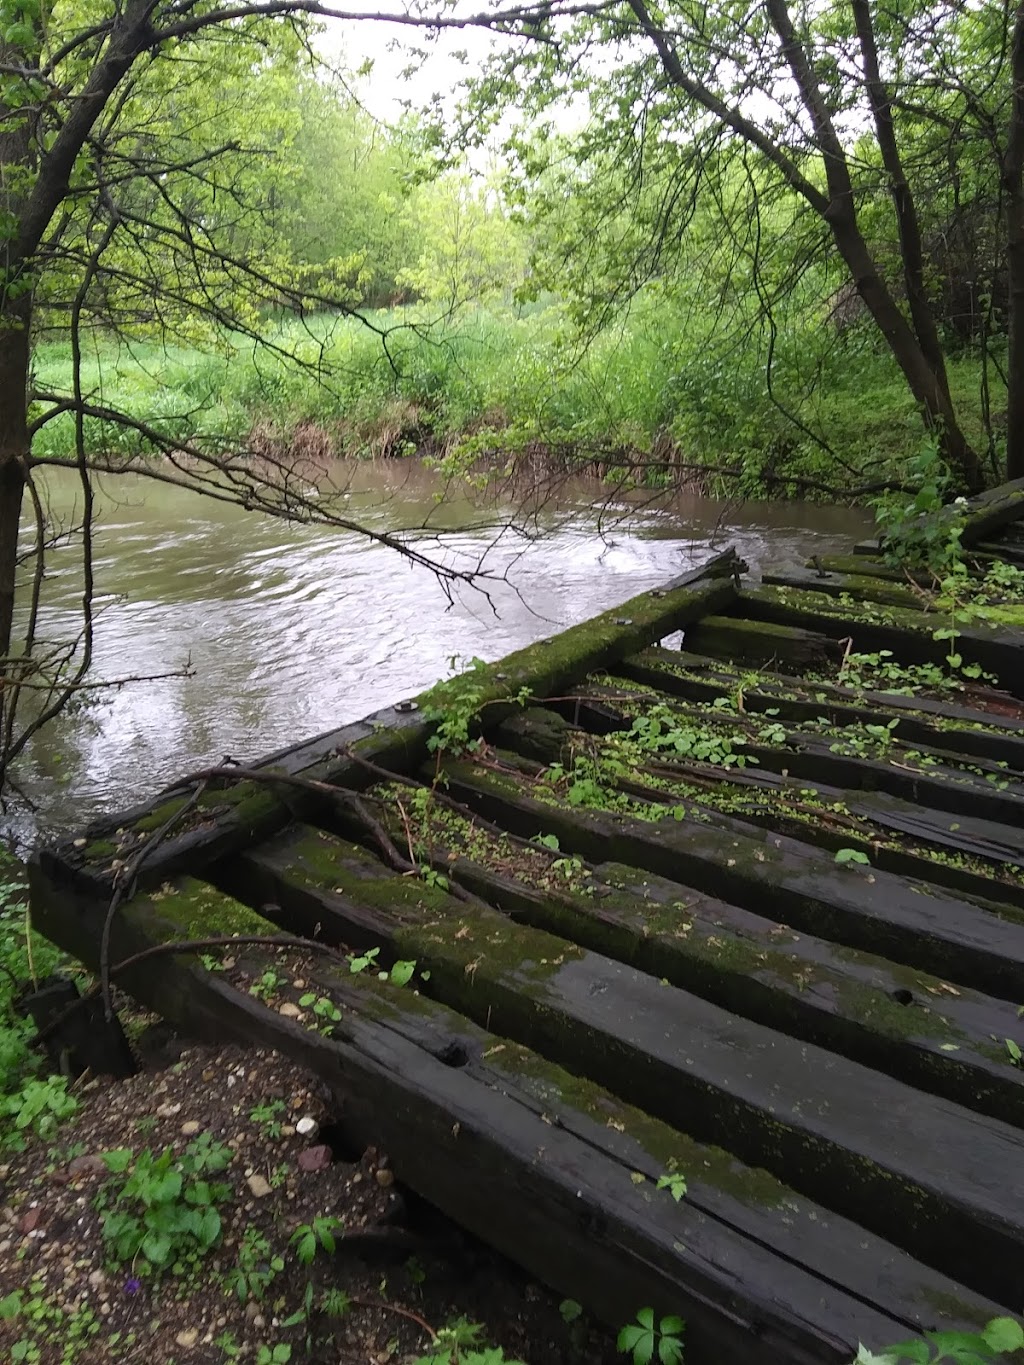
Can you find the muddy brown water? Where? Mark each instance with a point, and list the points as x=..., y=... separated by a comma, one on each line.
x=289, y=631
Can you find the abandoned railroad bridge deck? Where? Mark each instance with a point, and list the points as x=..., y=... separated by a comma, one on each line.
x=718, y=949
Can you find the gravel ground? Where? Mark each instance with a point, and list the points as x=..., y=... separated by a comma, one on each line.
x=398, y=1272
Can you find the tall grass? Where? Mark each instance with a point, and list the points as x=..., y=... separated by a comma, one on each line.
x=658, y=380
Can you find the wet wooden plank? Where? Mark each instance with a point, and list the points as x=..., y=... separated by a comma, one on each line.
x=991, y=511
x=763, y=642
x=853, y=586
x=776, y=798
x=837, y=1131
x=922, y=719
x=907, y=633
x=909, y=1024
x=899, y=918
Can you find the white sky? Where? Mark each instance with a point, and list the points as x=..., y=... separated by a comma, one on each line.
x=387, y=46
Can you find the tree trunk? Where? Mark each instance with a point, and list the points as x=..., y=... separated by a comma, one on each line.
x=1013, y=187
x=15, y=325
x=14, y=443
x=928, y=388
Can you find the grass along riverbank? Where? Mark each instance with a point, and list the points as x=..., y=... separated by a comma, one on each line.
x=659, y=388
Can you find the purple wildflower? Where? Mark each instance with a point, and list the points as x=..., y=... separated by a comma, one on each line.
x=132, y=1285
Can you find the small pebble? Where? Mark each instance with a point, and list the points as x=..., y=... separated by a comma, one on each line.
x=190, y=1127
x=259, y=1186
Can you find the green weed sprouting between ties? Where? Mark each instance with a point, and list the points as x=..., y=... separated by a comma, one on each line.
x=1000, y=1338
x=163, y=1214
x=649, y=1339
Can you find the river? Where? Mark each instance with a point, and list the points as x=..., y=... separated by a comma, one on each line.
x=287, y=631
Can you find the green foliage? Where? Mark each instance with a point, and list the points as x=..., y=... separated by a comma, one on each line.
x=503, y=385
x=659, y=730
x=1000, y=1338
x=265, y=986
x=308, y=1238
x=163, y=1213
x=647, y=1340
x=924, y=531
x=879, y=673
x=325, y=1011
x=268, y=1116
x=35, y=1108
x=31, y=1104
x=257, y=1266
x=674, y=1182
x=852, y=857
x=335, y=1302
x=273, y=1355
x=47, y=1326
x=460, y=1343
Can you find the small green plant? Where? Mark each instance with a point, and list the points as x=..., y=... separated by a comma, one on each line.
x=35, y=1109
x=324, y=1009
x=268, y=1116
x=570, y=1310
x=846, y=857
x=335, y=1303
x=434, y=878
x=228, y=1343
x=647, y=1340
x=265, y=986
x=1016, y=1056
x=273, y=1355
x=400, y=974
x=460, y=1343
x=257, y=1266
x=1000, y=1338
x=164, y=1211
x=674, y=1182
x=308, y=1238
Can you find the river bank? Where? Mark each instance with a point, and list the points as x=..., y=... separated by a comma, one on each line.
x=654, y=390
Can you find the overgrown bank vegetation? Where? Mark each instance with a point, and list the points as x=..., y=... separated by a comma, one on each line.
x=652, y=398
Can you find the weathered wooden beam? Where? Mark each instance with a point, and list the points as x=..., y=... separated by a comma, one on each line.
x=881, y=822
x=909, y=1024
x=909, y=634
x=856, y=586
x=990, y=511
x=903, y=920
x=837, y=1131
x=762, y=643
x=922, y=719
